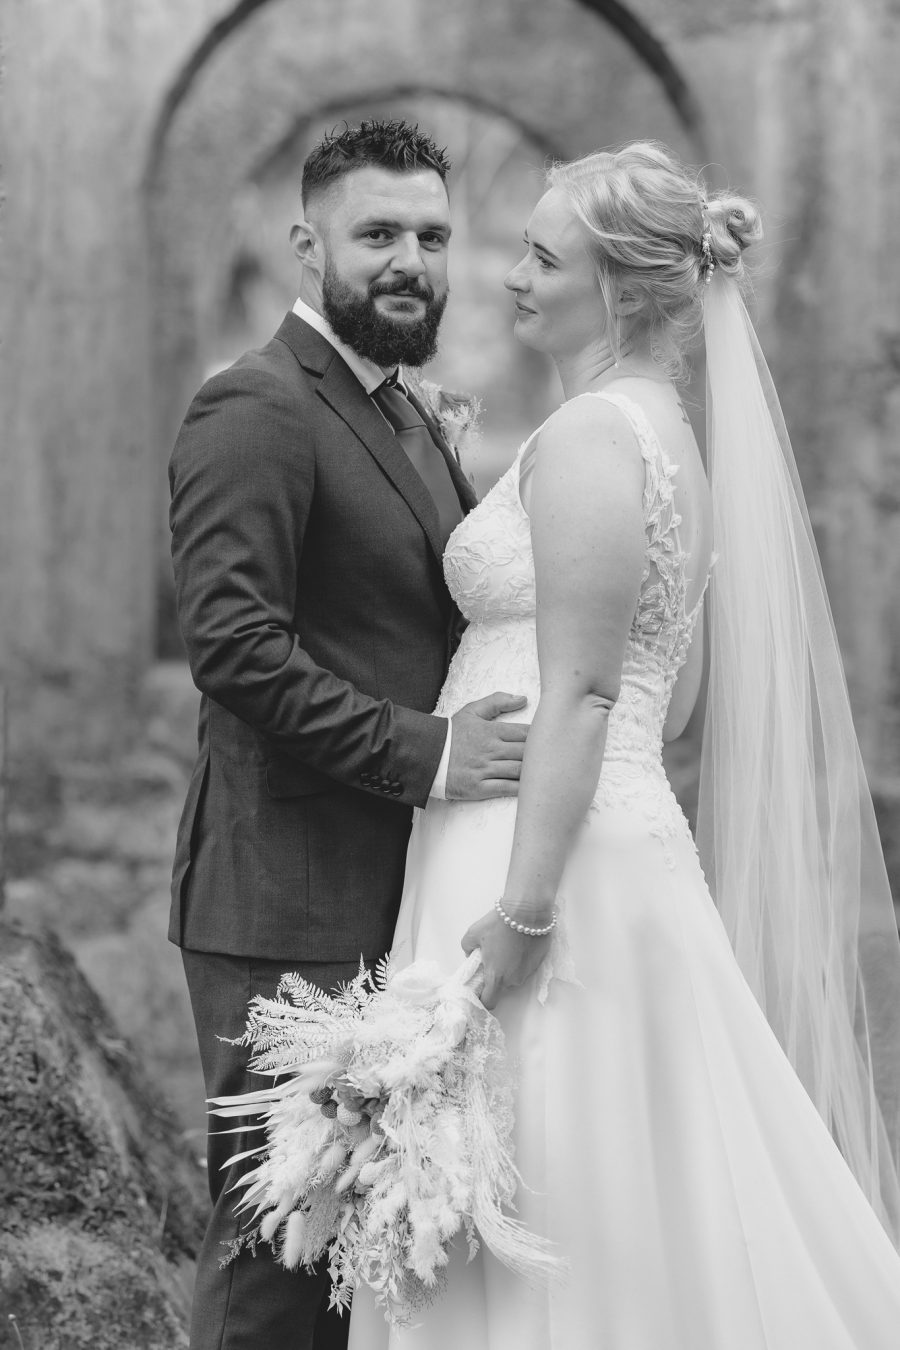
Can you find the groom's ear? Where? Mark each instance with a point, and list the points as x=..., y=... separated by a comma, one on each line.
x=308, y=245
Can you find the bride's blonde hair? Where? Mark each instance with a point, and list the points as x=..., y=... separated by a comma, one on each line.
x=655, y=237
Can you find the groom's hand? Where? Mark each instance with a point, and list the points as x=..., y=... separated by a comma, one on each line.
x=486, y=755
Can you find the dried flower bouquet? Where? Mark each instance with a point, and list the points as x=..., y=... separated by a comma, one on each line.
x=388, y=1131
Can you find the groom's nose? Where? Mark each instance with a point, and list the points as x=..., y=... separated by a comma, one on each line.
x=408, y=256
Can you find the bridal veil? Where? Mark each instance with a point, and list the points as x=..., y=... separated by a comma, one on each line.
x=786, y=826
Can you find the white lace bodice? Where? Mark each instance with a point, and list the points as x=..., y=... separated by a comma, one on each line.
x=489, y=567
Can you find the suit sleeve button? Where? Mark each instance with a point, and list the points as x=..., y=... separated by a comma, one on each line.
x=396, y=790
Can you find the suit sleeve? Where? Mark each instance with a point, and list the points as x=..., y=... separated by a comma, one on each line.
x=242, y=481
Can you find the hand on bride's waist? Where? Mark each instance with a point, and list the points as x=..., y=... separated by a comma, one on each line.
x=485, y=753
x=509, y=958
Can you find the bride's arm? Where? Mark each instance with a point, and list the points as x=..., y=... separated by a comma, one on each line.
x=589, y=545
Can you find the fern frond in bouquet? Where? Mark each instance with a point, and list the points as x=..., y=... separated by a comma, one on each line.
x=388, y=1130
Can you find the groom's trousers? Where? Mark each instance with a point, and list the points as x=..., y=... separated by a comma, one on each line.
x=250, y=1303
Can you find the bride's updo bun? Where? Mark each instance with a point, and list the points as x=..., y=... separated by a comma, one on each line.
x=734, y=224
x=655, y=239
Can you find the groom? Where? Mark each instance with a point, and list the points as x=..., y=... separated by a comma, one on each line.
x=311, y=502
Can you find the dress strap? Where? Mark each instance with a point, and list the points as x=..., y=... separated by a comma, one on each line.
x=523, y=464
x=659, y=492
x=659, y=496
x=651, y=445
x=660, y=515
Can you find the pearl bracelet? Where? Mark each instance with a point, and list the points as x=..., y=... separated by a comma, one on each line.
x=523, y=928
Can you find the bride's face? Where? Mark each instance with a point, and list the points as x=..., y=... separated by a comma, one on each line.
x=559, y=305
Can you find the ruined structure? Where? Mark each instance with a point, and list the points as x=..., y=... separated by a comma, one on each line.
x=138, y=138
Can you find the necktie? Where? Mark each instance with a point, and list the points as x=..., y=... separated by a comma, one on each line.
x=415, y=438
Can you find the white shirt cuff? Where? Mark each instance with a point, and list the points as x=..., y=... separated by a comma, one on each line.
x=439, y=786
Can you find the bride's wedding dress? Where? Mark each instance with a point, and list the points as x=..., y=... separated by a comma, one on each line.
x=665, y=1143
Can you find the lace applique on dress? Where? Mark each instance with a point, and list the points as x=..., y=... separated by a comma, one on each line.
x=661, y=634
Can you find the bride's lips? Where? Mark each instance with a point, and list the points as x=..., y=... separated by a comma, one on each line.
x=523, y=309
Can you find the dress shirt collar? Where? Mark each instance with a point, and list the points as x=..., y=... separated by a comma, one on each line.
x=369, y=375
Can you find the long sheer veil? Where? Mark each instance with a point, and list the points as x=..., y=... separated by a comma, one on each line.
x=786, y=826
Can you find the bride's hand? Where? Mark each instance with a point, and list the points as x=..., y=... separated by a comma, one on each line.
x=509, y=958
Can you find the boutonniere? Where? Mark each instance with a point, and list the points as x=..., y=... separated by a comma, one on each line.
x=457, y=415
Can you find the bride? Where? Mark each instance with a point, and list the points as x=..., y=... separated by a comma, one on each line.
x=710, y=1187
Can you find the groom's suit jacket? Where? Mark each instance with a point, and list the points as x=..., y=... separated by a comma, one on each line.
x=318, y=628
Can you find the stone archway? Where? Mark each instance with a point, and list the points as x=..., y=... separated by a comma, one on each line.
x=568, y=76
x=625, y=20
x=567, y=80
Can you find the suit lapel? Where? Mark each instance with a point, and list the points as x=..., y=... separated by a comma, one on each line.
x=342, y=391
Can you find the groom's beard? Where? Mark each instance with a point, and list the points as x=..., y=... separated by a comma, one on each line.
x=379, y=337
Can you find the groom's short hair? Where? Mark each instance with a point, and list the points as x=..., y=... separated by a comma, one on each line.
x=394, y=145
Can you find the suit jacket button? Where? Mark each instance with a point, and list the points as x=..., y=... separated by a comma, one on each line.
x=396, y=790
